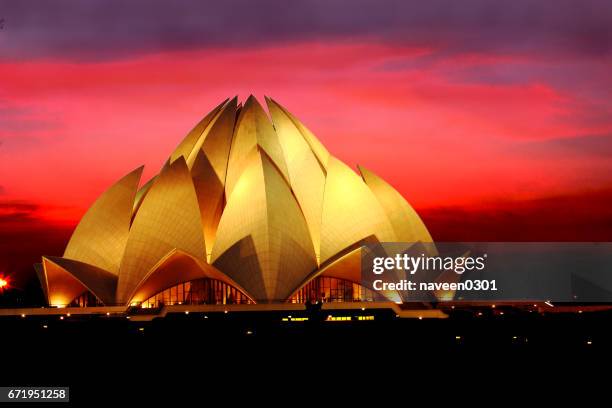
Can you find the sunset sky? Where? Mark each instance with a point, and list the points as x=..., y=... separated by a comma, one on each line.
x=494, y=119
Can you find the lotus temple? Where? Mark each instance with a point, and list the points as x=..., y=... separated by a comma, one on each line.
x=249, y=209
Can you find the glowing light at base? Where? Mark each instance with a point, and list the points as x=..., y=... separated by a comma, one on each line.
x=4, y=283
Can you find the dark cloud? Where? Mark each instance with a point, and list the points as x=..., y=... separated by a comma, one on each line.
x=12, y=211
x=24, y=238
x=21, y=214
x=114, y=28
x=581, y=217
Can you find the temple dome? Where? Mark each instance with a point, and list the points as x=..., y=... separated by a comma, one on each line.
x=251, y=202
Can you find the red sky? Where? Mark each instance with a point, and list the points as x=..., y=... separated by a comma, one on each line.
x=491, y=131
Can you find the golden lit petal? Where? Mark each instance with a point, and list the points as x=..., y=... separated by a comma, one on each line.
x=351, y=213
x=188, y=144
x=66, y=279
x=305, y=172
x=177, y=267
x=317, y=147
x=263, y=241
x=217, y=140
x=211, y=198
x=140, y=195
x=102, y=233
x=253, y=130
x=346, y=267
x=406, y=223
x=168, y=218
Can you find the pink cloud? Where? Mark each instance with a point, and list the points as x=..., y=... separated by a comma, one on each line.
x=439, y=140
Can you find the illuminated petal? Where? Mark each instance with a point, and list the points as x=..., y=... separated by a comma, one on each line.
x=406, y=223
x=174, y=268
x=188, y=144
x=66, y=279
x=263, y=241
x=306, y=175
x=253, y=131
x=351, y=213
x=102, y=233
x=168, y=218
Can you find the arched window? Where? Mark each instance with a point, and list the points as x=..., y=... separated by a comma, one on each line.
x=327, y=289
x=198, y=292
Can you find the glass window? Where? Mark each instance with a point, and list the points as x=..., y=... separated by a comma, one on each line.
x=329, y=289
x=199, y=291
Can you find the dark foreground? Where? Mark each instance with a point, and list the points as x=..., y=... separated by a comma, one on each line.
x=115, y=358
